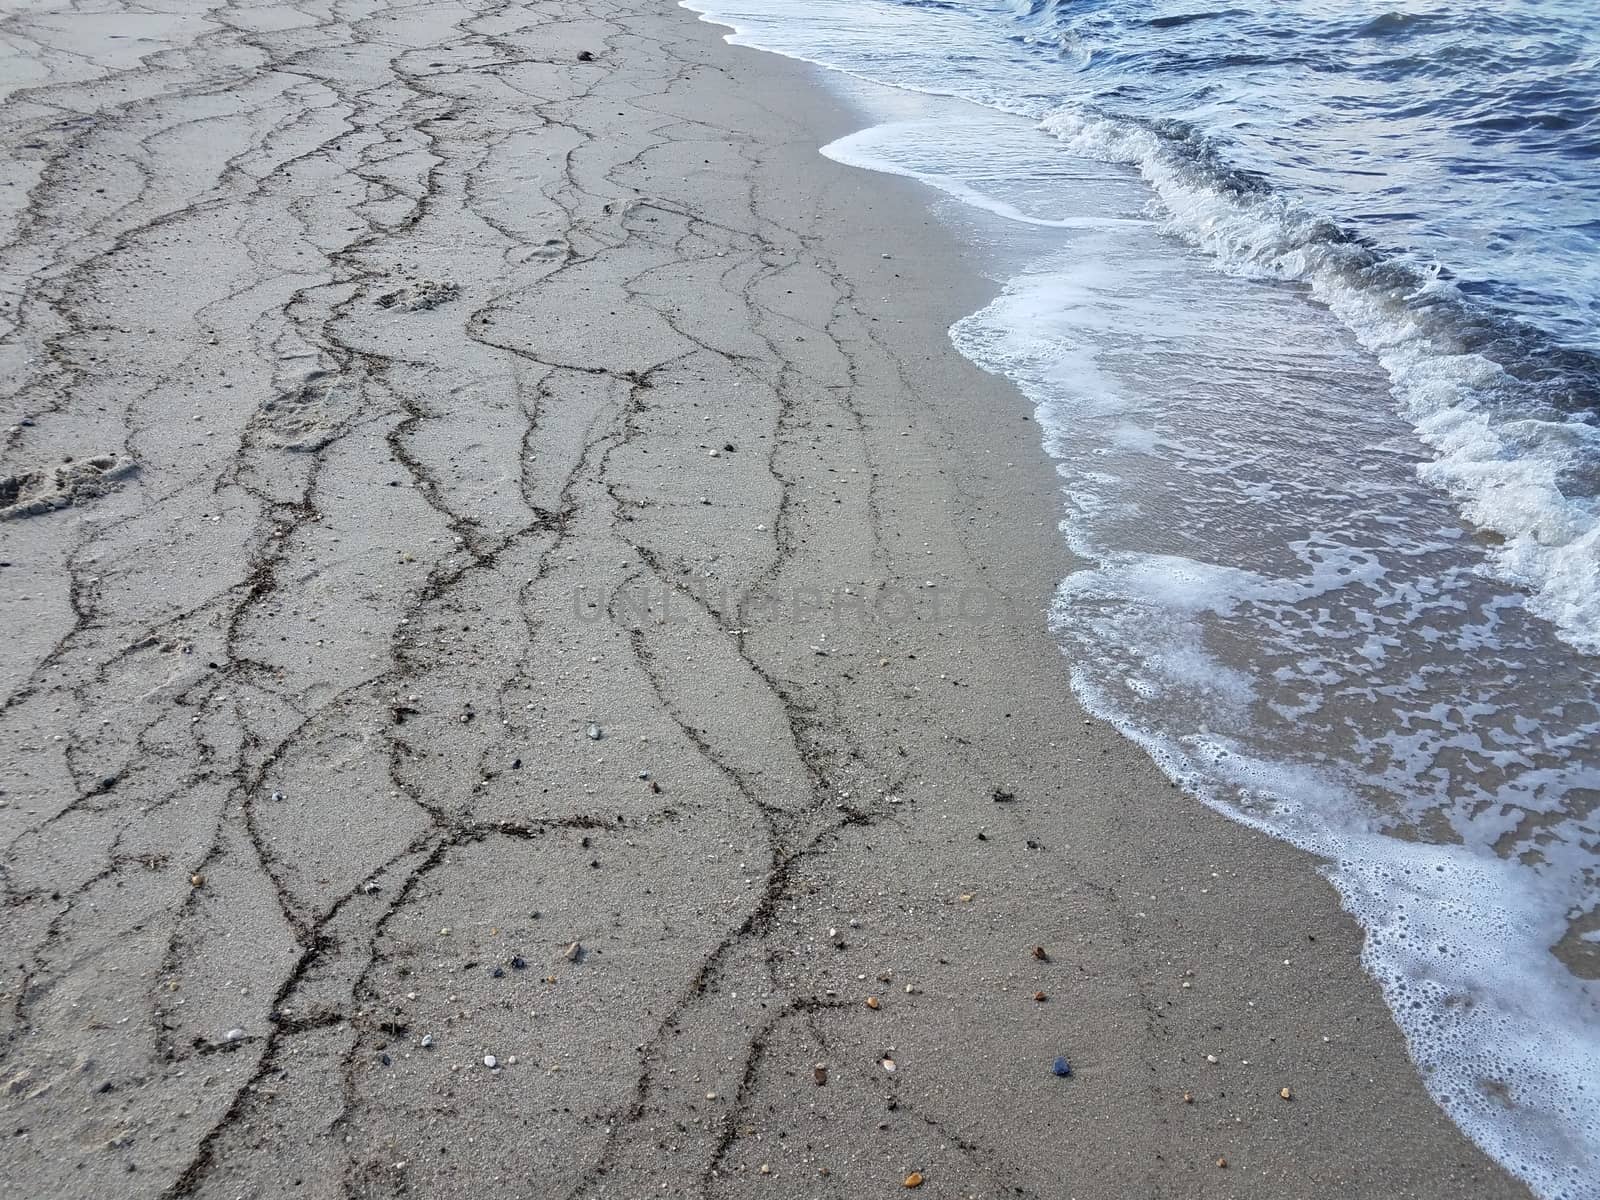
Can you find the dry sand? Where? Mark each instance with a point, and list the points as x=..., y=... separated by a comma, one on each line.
x=452, y=393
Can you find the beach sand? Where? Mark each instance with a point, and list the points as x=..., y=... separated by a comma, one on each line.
x=549, y=594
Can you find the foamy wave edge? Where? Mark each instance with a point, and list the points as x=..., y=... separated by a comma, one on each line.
x=1501, y=468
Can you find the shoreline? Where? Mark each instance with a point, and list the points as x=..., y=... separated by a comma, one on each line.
x=341, y=629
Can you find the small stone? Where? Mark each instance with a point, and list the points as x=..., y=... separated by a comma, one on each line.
x=594, y=733
x=1212, y=1059
x=966, y=897
x=511, y=1060
x=1041, y=954
x=819, y=1074
x=1062, y=1067
x=234, y=1035
x=1188, y=1097
x=518, y=963
x=872, y=1003
x=490, y=1061
x=1222, y=1163
x=427, y=1041
x=888, y=1064
x=1040, y=997
x=1284, y=1094
x=913, y=1180
x=766, y=1169
x=197, y=880
x=711, y=1095
x=572, y=952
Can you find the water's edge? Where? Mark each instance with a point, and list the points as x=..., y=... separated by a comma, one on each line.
x=1412, y=907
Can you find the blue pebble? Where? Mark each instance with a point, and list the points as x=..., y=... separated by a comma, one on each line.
x=1063, y=1068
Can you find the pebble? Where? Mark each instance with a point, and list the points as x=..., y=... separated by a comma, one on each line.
x=490, y=1061
x=427, y=1041
x=1040, y=997
x=913, y=1180
x=888, y=1064
x=1041, y=954
x=1188, y=1097
x=1212, y=1059
x=594, y=733
x=233, y=1035
x=1222, y=1162
x=1284, y=1094
x=872, y=1003
x=197, y=880
x=571, y=952
x=1062, y=1067
x=819, y=1073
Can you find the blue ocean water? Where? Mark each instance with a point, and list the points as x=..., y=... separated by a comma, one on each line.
x=1462, y=141
x=1306, y=297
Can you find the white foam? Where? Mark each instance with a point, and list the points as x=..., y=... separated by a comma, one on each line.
x=1456, y=938
x=1459, y=937
x=1503, y=470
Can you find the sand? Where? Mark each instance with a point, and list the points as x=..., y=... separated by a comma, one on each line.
x=554, y=597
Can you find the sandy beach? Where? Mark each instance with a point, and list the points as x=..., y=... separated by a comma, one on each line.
x=526, y=670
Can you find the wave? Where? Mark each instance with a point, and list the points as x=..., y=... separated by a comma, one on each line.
x=1516, y=439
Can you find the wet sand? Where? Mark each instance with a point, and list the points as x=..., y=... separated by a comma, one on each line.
x=534, y=585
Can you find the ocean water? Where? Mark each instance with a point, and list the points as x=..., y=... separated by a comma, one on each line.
x=1306, y=295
